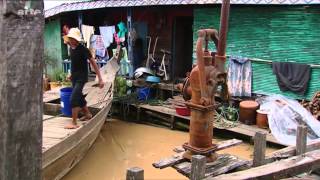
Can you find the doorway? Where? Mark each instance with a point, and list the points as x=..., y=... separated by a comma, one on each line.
x=182, y=46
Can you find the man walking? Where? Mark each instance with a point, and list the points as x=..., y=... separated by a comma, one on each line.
x=79, y=56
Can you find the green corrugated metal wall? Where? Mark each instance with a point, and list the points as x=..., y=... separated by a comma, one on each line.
x=52, y=43
x=278, y=33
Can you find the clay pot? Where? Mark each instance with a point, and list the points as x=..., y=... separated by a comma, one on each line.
x=54, y=85
x=262, y=119
x=247, y=112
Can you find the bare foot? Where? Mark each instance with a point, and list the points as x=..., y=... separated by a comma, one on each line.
x=71, y=126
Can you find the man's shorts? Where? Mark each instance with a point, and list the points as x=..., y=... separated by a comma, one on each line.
x=77, y=99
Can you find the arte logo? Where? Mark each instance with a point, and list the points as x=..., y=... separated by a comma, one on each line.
x=28, y=12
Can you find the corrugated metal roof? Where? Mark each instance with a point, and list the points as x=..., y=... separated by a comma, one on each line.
x=135, y=3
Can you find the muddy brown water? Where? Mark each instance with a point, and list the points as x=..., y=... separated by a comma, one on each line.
x=121, y=145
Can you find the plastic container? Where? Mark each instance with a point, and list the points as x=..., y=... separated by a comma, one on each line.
x=65, y=94
x=262, y=118
x=247, y=112
x=153, y=79
x=144, y=93
x=183, y=111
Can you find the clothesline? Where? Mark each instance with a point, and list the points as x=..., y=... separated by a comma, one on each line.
x=270, y=62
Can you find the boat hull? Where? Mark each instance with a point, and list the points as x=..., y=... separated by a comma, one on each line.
x=58, y=160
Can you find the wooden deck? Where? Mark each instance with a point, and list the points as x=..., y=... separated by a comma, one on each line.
x=54, y=132
x=242, y=129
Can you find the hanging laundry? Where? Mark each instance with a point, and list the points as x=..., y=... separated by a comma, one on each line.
x=124, y=62
x=122, y=31
x=93, y=41
x=292, y=76
x=239, y=76
x=107, y=34
x=92, y=47
x=116, y=38
x=96, y=43
x=100, y=48
x=87, y=32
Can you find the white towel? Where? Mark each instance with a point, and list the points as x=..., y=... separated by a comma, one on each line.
x=107, y=34
x=87, y=31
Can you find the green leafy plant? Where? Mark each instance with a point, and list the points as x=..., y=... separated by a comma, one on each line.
x=48, y=62
x=63, y=77
x=57, y=75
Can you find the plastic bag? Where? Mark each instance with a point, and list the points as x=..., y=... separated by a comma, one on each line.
x=284, y=117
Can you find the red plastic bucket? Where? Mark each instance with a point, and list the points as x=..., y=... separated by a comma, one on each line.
x=183, y=111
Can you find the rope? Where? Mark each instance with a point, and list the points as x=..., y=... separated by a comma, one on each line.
x=221, y=119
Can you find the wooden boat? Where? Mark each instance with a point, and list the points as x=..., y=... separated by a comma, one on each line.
x=63, y=148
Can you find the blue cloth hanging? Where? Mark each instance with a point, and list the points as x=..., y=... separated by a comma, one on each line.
x=239, y=76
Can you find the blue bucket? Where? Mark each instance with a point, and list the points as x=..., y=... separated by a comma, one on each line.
x=144, y=93
x=65, y=94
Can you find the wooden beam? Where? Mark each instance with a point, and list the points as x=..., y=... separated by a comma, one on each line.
x=21, y=66
x=289, y=151
x=301, y=139
x=251, y=130
x=198, y=167
x=222, y=165
x=178, y=158
x=277, y=170
x=52, y=109
x=259, y=149
x=135, y=173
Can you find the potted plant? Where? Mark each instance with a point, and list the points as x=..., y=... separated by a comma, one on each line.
x=49, y=62
x=55, y=79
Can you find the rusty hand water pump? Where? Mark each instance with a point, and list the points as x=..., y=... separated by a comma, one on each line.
x=203, y=82
x=204, y=79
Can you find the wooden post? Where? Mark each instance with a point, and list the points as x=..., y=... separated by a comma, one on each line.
x=135, y=173
x=259, y=149
x=80, y=17
x=172, y=122
x=301, y=141
x=130, y=40
x=198, y=167
x=21, y=67
x=138, y=113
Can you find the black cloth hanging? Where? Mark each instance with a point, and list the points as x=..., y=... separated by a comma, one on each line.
x=292, y=76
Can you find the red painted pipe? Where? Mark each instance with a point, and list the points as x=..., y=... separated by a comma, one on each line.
x=224, y=21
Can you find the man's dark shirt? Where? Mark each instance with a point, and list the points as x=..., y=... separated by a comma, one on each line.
x=79, y=63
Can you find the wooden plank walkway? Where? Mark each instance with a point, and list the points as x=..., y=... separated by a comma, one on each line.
x=251, y=131
x=242, y=129
x=54, y=132
x=223, y=164
x=164, y=110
